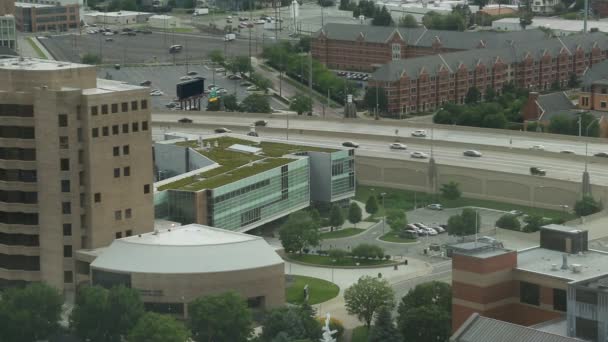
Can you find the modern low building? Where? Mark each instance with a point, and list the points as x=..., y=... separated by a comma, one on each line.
x=116, y=18
x=239, y=184
x=172, y=267
x=35, y=17
x=79, y=3
x=425, y=83
x=75, y=167
x=163, y=21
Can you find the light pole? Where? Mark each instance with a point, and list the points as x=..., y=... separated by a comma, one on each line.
x=383, y=194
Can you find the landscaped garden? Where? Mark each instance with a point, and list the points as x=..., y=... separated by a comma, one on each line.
x=394, y=236
x=341, y=233
x=319, y=290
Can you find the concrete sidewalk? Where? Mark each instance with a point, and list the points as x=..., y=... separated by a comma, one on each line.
x=26, y=49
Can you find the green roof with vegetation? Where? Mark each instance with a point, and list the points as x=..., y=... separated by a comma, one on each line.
x=236, y=165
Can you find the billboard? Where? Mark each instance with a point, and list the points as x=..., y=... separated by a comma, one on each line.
x=190, y=88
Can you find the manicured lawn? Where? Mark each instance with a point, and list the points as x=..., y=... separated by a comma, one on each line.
x=327, y=261
x=345, y=232
x=406, y=199
x=319, y=290
x=360, y=334
x=394, y=237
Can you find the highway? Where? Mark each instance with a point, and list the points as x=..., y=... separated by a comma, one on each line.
x=367, y=127
x=558, y=167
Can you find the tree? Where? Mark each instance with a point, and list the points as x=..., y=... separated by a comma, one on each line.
x=463, y=224
x=396, y=219
x=153, y=327
x=383, y=329
x=90, y=58
x=508, y=221
x=242, y=64
x=573, y=80
x=354, y=213
x=424, y=313
x=497, y=120
x=230, y=102
x=29, y=314
x=336, y=217
x=368, y=251
x=473, y=95
x=315, y=216
x=490, y=94
x=124, y=309
x=261, y=82
x=224, y=317
x=480, y=3
x=337, y=254
x=366, y=296
x=561, y=124
x=304, y=44
x=450, y=191
x=255, y=103
x=409, y=21
x=533, y=223
x=216, y=56
x=301, y=104
x=299, y=232
x=371, y=206
x=376, y=93
x=292, y=323
x=382, y=18
x=587, y=206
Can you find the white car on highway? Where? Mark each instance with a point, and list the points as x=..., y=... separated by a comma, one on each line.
x=538, y=147
x=419, y=155
x=397, y=146
x=419, y=133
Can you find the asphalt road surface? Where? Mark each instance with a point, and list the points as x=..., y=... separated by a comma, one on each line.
x=558, y=166
x=142, y=48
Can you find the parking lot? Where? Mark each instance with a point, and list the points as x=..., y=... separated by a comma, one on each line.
x=142, y=48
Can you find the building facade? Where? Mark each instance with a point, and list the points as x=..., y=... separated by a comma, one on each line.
x=528, y=287
x=8, y=34
x=172, y=267
x=75, y=167
x=32, y=17
x=201, y=186
x=425, y=83
x=366, y=48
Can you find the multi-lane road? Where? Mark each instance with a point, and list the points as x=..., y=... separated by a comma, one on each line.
x=558, y=165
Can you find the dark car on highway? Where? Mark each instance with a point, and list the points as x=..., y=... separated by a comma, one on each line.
x=601, y=154
x=261, y=123
x=536, y=171
x=222, y=130
x=350, y=144
x=184, y=120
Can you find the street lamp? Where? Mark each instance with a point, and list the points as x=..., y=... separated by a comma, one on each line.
x=383, y=194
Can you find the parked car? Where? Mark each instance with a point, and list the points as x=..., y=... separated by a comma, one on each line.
x=397, y=146
x=516, y=212
x=435, y=206
x=185, y=78
x=222, y=130
x=234, y=77
x=220, y=70
x=438, y=228
x=191, y=73
x=419, y=133
x=408, y=234
x=109, y=39
x=184, y=120
x=350, y=144
x=253, y=134
x=261, y=123
x=536, y=171
x=472, y=153
x=601, y=154
x=419, y=155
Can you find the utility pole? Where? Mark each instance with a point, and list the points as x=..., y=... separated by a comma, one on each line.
x=377, y=114
x=310, y=70
x=586, y=16
x=249, y=25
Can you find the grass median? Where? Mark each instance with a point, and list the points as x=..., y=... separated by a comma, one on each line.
x=342, y=233
x=36, y=48
x=394, y=237
x=407, y=199
x=319, y=290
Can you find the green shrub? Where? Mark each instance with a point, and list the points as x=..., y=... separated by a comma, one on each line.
x=508, y=221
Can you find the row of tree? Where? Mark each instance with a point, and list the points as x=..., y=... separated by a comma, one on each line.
x=424, y=313
x=254, y=103
x=289, y=58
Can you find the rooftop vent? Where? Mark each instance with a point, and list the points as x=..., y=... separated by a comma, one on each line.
x=553, y=267
x=577, y=268
x=564, y=261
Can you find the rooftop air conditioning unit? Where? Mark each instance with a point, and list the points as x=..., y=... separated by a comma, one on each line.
x=577, y=268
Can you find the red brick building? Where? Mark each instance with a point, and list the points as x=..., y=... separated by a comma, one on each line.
x=526, y=287
x=365, y=48
x=425, y=83
x=38, y=17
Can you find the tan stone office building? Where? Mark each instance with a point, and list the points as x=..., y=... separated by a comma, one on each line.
x=172, y=267
x=75, y=167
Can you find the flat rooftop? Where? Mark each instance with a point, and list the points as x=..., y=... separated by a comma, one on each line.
x=479, y=249
x=17, y=63
x=237, y=165
x=189, y=235
x=30, y=5
x=108, y=86
x=541, y=260
x=562, y=228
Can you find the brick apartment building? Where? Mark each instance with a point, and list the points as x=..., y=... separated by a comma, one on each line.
x=31, y=17
x=544, y=284
x=425, y=83
x=365, y=48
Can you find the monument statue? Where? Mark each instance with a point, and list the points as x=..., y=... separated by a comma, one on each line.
x=327, y=332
